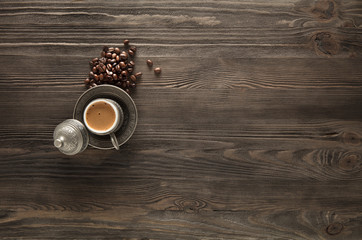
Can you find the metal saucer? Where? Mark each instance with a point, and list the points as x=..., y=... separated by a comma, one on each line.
x=123, y=99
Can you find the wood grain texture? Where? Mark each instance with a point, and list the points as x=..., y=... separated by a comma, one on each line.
x=252, y=131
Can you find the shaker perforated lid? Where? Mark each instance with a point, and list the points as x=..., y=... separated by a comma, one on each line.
x=71, y=137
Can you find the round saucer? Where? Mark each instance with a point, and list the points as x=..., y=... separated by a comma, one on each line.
x=123, y=99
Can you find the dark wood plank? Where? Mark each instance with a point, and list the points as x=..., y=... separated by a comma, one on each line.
x=252, y=131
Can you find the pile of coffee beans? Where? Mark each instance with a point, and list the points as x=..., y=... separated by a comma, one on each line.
x=115, y=67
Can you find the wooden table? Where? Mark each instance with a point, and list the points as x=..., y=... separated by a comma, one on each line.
x=252, y=131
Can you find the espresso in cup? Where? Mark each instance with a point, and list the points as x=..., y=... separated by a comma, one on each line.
x=100, y=116
x=104, y=117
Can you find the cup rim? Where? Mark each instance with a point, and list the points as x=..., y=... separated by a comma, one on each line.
x=116, y=121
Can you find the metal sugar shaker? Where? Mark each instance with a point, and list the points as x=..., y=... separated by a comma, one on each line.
x=71, y=137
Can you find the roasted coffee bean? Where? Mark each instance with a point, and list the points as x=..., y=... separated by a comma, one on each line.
x=114, y=55
x=149, y=63
x=110, y=73
x=103, y=53
x=104, y=68
x=94, y=69
x=157, y=70
x=87, y=81
x=91, y=75
x=118, y=84
x=117, y=50
x=117, y=68
x=138, y=75
x=99, y=68
x=133, y=48
x=95, y=59
x=133, y=78
x=111, y=49
x=109, y=66
x=105, y=49
x=118, y=58
x=94, y=85
x=130, y=70
x=126, y=42
x=101, y=76
x=103, y=60
x=108, y=55
x=113, y=61
x=115, y=77
x=124, y=55
x=128, y=83
x=124, y=73
x=127, y=91
x=124, y=85
x=133, y=85
x=122, y=65
x=132, y=63
x=91, y=64
x=96, y=77
x=130, y=52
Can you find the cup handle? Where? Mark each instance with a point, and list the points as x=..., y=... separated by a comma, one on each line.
x=114, y=140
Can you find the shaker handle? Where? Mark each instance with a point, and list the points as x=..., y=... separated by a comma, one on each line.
x=114, y=140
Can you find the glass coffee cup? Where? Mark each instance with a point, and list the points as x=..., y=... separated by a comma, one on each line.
x=104, y=117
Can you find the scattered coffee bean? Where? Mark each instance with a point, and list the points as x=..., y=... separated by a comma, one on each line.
x=86, y=81
x=96, y=77
x=130, y=52
x=126, y=42
x=114, y=55
x=117, y=50
x=132, y=63
x=133, y=78
x=130, y=70
x=123, y=65
x=133, y=48
x=118, y=58
x=149, y=63
x=124, y=73
x=94, y=70
x=111, y=49
x=108, y=55
x=138, y=75
x=123, y=55
x=128, y=83
x=157, y=70
x=101, y=76
x=115, y=77
x=109, y=66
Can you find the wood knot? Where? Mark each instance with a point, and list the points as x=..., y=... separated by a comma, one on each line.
x=351, y=138
x=334, y=228
x=350, y=162
x=324, y=10
x=190, y=206
x=325, y=44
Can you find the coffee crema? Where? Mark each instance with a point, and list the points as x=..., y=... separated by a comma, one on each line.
x=100, y=116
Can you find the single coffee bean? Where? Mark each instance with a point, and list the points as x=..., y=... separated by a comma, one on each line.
x=87, y=81
x=138, y=75
x=118, y=58
x=133, y=85
x=110, y=73
x=130, y=52
x=127, y=91
x=94, y=85
x=109, y=66
x=103, y=53
x=109, y=60
x=109, y=77
x=130, y=70
x=103, y=60
x=114, y=55
x=123, y=65
x=117, y=50
x=108, y=55
x=128, y=83
x=91, y=75
x=126, y=42
x=95, y=59
x=111, y=49
x=115, y=77
x=118, y=84
x=133, y=48
x=104, y=68
x=124, y=73
x=133, y=78
x=157, y=70
x=149, y=63
x=96, y=77
x=132, y=63
x=123, y=55
x=101, y=76
x=114, y=64
x=117, y=68
x=94, y=69
x=124, y=85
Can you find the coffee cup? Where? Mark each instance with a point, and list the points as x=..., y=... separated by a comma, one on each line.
x=104, y=116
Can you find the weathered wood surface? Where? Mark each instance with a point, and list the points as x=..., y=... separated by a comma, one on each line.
x=252, y=131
